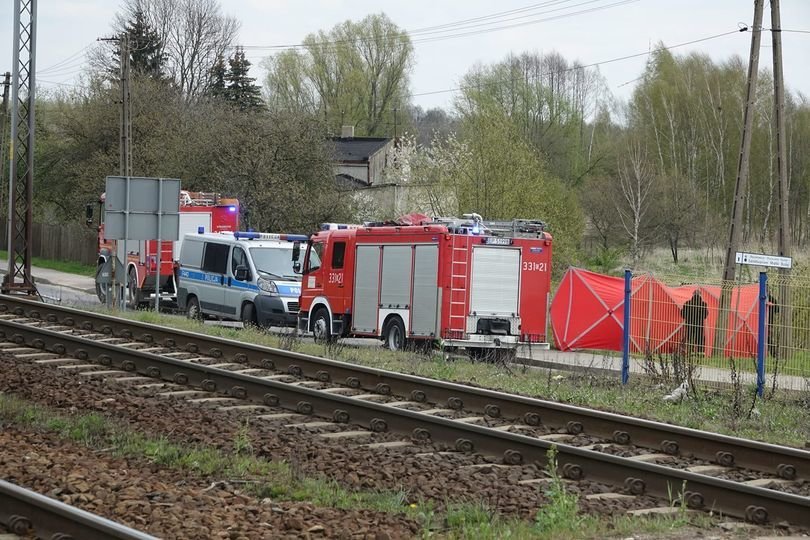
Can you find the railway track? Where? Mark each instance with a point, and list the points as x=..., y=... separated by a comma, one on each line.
x=90, y=336
x=25, y=512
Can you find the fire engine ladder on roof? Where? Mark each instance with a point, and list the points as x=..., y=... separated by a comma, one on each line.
x=459, y=272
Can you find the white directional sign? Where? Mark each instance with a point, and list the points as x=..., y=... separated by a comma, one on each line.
x=758, y=259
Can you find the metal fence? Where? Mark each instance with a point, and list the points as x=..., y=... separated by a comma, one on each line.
x=755, y=330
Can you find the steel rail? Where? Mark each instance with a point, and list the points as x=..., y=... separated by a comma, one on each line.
x=701, y=492
x=786, y=462
x=24, y=511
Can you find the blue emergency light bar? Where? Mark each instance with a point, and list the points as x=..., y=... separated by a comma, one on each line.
x=244, y=235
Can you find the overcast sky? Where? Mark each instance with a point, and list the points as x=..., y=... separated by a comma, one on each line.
x=590, y=31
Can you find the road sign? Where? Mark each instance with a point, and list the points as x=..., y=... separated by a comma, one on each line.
x=141, y=208
x=759, y=259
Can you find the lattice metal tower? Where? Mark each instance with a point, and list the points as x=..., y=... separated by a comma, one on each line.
x=18, y=280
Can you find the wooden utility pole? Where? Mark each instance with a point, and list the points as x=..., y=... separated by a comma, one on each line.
x=786, y=311
x=740, y=187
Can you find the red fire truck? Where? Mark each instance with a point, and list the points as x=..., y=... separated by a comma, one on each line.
x=463, y=282
x=139, y=258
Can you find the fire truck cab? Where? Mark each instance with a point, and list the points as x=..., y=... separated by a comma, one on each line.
x=198, y=210
x=463, y=282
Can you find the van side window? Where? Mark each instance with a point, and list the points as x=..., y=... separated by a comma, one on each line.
x=239, y=258
x=314, y=257
x=338, y=251
x=215, y=258
x=191, y=254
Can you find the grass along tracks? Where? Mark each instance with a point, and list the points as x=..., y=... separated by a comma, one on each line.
x=476, y=436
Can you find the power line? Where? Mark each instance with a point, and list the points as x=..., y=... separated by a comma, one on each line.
x=420, y=36
x=578, y=67
x=66, y=60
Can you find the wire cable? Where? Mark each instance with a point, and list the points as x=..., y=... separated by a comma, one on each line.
x=425, y=36
x=584, y=66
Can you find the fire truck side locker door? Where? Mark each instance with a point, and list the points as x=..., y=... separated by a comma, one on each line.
x=424, y=311
x=395, y=294
x=366, y=289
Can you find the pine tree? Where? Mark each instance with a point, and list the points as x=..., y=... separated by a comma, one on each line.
x=241, y=91
x=218, y=76
x=145, y=48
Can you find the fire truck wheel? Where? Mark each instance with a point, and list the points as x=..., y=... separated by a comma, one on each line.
x=394, y=334
x=193, y=309
x=322, y=326
x=135, y=295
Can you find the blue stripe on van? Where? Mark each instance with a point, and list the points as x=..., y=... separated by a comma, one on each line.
x=243, y=285
x=289, y=290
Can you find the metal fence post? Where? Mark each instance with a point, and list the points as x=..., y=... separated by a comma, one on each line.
x=628, y=288
x=762, y=339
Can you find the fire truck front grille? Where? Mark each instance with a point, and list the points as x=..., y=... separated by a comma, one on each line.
x=292, y=307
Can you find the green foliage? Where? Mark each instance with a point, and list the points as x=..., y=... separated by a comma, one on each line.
x=354, y=74
x=145, y=46
x=558, y=107
x=242, y=443
x=607, y=260
x=502, y=178
x=559, y=514
x=272, y=162
x=239, y=89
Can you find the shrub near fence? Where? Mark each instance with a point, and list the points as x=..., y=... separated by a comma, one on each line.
x=680, y=331
x=67, y=242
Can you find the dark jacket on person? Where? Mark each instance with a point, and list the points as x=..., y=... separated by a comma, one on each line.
x=694, y=313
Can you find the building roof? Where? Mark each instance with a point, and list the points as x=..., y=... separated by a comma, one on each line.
x=358, y=148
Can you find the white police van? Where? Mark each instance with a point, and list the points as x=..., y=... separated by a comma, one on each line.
x=244, y=276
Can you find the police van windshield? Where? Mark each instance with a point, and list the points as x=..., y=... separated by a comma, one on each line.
x=274, y=261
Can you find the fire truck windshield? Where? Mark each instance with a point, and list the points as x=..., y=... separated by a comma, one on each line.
x=274, y=261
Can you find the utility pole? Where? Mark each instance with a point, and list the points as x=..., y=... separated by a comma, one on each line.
x=786, y=313
x=4, y=128
x=6, y=85
x=126, y=109
x=18, y=280
x=395, y=125
x=740, y=187
x=124, y=154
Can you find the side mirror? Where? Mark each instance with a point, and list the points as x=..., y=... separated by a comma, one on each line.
x=241, y=273
x=88, y=214
x=297, y=267
x=296, y=251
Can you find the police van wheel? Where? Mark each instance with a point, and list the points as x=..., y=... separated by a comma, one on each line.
x=394, y=335
x=249, y=315
x=321, y=327
x=193, y=310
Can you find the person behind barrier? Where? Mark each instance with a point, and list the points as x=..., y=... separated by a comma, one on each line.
x=694, y=313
